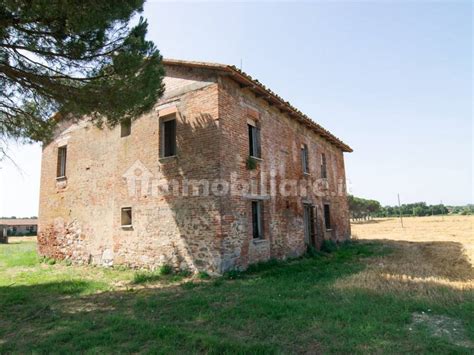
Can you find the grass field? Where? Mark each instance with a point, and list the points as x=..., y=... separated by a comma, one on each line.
x=392, y=290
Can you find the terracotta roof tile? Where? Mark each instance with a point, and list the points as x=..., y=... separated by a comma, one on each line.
x=18, y=221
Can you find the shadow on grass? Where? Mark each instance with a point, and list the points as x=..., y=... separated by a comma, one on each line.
x=272, y=308
x=21, y=295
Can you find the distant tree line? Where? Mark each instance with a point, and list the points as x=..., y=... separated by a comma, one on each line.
x=361, y=209
x=414, y=209
x=15, y=217
x=462, y=210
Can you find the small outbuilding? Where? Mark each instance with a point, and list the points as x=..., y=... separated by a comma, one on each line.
x=17, y=227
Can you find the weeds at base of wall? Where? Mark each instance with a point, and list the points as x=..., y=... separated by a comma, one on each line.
x=202, y=275
x=47, y=261
x=163, y=273
x=51, y=261
x=312, y=252
x=122, y=267
x=327, y=248
x=165, y=270
x=259, y=267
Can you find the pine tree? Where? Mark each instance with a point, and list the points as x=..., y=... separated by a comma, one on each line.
x=71, y=58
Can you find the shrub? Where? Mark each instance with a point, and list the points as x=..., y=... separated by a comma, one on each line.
x=165, y=269
x=251, y=163
x=142, y=277
x=203, y=275
x=48, y=261
x=311, y=252
x=329, y=246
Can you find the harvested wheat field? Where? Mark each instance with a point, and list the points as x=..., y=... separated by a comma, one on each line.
x=427, y=252
x=457, y=229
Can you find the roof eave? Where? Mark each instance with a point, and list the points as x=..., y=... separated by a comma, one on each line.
x=261, y=91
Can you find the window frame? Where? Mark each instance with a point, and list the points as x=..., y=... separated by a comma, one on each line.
x=61, y=164
x=257, y=224
x=305, y=158
x=163, y=121
x=327, y=216
x=130, y=217
x=324, y=168
x=125, y=127
x=254, y=139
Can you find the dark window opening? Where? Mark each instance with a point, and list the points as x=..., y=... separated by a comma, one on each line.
x=304, y=158
x=126, y=218
x=309, y=225
x=168, y=138
x=254, y=142
x=61, y=167
x=257, y=230
x=324, y=173
x=125, y=127
x=327, y=217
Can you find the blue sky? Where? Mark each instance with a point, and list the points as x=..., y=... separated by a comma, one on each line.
x=392, y=79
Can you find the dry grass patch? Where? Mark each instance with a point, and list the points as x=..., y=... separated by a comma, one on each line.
x=430, y=258
x=458, y=229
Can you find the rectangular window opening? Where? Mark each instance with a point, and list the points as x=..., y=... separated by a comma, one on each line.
x=324, y=173
x=327, y=217
x=126, y=218
x=126, y=127
x=254, y=141
x=304, y=158
x=309, y=224
x=257, y=230
x=61, y=167
x=168, y=138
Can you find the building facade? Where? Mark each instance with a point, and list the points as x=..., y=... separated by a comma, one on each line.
x=17, y=227
x=222, y=173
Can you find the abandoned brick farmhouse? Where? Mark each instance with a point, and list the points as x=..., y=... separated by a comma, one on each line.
x=222, y=173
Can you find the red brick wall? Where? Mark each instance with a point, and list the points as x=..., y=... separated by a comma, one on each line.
x=281, y=139
x=80, y=219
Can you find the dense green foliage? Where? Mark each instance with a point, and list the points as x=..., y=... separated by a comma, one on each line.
x=463, y=210
x=361, y=208
x=73, y=57
x=274, y=308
